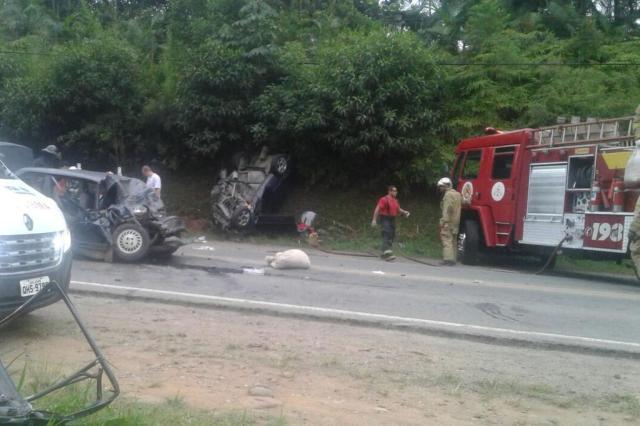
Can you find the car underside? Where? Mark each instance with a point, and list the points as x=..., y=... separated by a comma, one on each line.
x=251, y=194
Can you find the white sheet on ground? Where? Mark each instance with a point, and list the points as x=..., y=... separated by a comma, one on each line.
x=289, y=259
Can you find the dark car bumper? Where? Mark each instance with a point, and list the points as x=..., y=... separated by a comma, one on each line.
x=10, y=298
x=170, y=226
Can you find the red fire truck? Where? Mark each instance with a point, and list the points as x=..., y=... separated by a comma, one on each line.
x=532, y=190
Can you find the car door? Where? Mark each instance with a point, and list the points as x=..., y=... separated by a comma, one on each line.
x=67, y=192
x=502, y=200
x=502, y=197
x=88, y=228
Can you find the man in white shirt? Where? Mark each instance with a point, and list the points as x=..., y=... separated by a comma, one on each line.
x=153, y=180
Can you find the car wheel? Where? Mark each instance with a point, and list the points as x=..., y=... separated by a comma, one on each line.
x=279, y=165
x=242, y=218
x=469, y=243
x=130, y=242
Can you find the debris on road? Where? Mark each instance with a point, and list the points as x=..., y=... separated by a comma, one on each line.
x=378, y=272
x=203, y=248
x=253, y=271
x=289, y=259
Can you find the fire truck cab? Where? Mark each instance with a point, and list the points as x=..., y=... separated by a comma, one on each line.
x=532, y=190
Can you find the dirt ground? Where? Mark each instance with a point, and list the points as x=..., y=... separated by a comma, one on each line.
x=327, y=374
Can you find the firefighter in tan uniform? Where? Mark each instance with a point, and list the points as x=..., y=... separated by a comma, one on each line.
x=450, y=221
x=634, y=238
x=634, y=229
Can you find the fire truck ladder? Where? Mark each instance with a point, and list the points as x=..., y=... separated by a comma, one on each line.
x=612, y=132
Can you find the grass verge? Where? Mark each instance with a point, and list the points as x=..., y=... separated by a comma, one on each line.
x=174, y=411
x=30, y=379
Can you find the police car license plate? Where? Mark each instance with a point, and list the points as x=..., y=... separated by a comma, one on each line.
x=32, y=286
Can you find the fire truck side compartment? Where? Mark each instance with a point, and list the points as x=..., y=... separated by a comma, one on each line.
x=543, y=223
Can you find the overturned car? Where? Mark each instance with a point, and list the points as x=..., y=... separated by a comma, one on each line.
x=252, y=194
x=109, y=216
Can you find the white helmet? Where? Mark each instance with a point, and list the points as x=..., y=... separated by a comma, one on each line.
x=445, y=181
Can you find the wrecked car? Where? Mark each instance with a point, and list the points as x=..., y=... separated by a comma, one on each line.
x=108, y=215
x=95, y=379
x=251, y=195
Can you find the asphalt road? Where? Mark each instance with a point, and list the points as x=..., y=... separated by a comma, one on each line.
x=585, y=309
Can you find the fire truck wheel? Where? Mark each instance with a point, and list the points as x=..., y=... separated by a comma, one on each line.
x=469, y=242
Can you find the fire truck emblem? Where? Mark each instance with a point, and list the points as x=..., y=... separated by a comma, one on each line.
x=467, y=192
x=497, y=192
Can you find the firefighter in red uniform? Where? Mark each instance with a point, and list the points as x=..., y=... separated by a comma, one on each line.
x=386, y=210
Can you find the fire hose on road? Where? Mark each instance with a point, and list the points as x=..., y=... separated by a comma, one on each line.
x=553, y=254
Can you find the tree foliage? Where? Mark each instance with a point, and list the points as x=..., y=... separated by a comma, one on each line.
x=356, y=91
x=368, y=102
